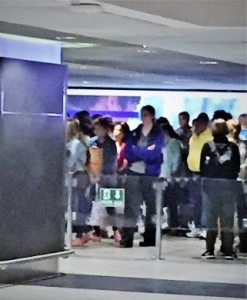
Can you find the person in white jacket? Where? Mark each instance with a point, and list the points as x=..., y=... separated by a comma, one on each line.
x=171, y=167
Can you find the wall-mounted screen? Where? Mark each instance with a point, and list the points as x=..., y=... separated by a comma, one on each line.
x=125, y=104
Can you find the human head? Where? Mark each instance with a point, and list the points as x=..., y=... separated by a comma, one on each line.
x=72, y=129
x=121, y=130
x=184, y=119
x=221, y=114
x=219, y=127
x=234, y=128
x=83, y=116
x=169, y=131
x=96, y=116
x=101, y=127
x=243, y=120
x=201, y=123
x=162, y=121
x=148, y=114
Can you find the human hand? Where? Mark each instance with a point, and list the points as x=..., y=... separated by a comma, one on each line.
x=151, y=147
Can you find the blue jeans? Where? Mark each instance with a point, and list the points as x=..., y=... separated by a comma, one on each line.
x=81, y=206
x=195, y=196
x=219, y=199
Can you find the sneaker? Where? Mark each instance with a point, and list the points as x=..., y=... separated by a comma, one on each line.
x=78, y=242
x=195, y=233
x=147, y=244
x=90, y=236
x=117, y=236
x=203, y=235
x=231, y=257
x=208, y=255
x=126, y=244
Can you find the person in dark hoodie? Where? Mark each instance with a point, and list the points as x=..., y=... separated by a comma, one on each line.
x=144, y=155
x=220, y=166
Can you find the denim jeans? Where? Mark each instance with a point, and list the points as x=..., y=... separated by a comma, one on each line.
x=195, y=196
x=219, y=200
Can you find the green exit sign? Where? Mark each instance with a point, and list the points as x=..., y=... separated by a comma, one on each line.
x=112, y=197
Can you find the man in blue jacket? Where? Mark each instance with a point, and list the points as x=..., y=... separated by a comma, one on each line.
x=144, y=155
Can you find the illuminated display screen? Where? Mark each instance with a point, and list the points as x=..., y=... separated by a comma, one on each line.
x=125, y=105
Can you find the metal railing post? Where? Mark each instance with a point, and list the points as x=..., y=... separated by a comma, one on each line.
x=69, y=212
x=159, y=193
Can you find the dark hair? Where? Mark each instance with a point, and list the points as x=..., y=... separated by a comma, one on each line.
x=229, y=116
x=96, y=116
x=125, y=129
x=150, y=109
x=202, y=118
x=186, y=115
x=110, y=122
x=85, y=122
x=82, y=114
x=170, y=130
x=87, y=129
x=103, y=122
x=162, y=121
x=243, y=116
x=222, y=114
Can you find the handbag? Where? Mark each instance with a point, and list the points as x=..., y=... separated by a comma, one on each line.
x=95, y=161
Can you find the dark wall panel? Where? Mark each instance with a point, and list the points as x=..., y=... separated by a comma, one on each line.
x=31, y=160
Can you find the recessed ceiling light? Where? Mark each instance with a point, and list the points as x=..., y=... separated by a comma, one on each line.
x=65, y=38
x=146, y=51
x=78, y=45
x=208, y=62
x=86, y=6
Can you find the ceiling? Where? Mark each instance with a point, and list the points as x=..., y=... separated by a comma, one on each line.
x=164, y=44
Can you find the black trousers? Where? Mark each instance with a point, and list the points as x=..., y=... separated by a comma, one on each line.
x=139, y=189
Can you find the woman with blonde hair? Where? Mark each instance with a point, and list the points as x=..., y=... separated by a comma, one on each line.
x=76, y=146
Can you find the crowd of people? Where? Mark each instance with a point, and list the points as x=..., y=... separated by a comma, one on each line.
x=211, y=154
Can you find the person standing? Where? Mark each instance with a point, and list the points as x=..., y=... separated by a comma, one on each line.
x=202, y=134
x=76, y=167
x=234, y=136
x=184, y=132
x=220, y=166
x=144, y=155
x=171, y=167
x=243, y=123
x=108, y=178
x=120, y=132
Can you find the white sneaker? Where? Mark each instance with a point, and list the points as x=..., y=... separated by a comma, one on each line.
x=195, y=233
x=191, y=226
x=203, y=235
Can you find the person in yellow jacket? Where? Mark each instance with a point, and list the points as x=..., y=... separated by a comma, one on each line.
x=201, y=135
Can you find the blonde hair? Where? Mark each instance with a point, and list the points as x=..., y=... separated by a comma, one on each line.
x=72, y=129
x=219, y=126
x=234, y=129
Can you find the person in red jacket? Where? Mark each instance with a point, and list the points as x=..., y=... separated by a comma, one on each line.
x=121, y=131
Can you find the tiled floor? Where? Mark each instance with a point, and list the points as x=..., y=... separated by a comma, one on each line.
x=182, y=263
x=45, y=293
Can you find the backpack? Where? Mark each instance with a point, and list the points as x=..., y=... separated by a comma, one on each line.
x=219, y=162
x=220, y=159
x=94, y=161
